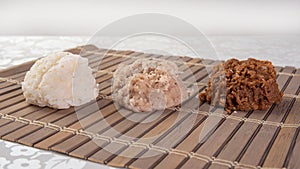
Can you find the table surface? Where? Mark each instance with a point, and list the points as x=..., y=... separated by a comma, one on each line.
x=14, y=50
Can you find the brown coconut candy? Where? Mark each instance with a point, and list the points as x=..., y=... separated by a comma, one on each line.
x=242, y=85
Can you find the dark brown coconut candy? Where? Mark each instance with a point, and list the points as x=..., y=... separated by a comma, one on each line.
x=246, y=85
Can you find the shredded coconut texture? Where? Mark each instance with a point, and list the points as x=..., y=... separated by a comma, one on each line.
x=60, y=80
x=242, y=85
x=148, y=85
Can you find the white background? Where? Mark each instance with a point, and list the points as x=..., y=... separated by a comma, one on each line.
x=213, y=17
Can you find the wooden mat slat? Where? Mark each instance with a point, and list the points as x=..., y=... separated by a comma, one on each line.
x=37, y=136
x=167, y=133
x=142, y=128
x=198, y=135
x=254, y=138
x=167, y=126
x=69, y=116
x=122, y=127
x=8, y=89
x=278, y=68
x=292, y=160
x=16, y=69
x=22, y=132
x=232, y=149
x=293, y=116
x=39, y=114
x=89, y=148
x=4, y=122
x=54, y=140
x=5, y=84
x=100, y=125
x=289, y=69
x=114, y=63
x=20, y=76
x=109, y=150
x=193, y=163
x=191, y=71
x=57, y=116
x=172, y=160
x=26, y=111
x=126, y=156
x=123, y=149
x=111, y=121
x=219, y=136
x=72, y=118
x=147, y=160
x=107, y=62
x=178, y=134
x=70, y=144
x=271, y=145
x=294, y=86
x=11, y=94
x=281, y=144
x=10, y=127
x=90, y=119
x=156, y=130
x=11, y=101
x=257, y=147
x=216, y=165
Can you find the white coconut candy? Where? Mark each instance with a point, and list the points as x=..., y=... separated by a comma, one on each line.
x=60, y=80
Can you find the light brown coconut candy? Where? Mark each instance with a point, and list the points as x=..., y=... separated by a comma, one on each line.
x=148, y=85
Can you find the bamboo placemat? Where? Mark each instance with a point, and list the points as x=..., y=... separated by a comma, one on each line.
x=241, y=140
